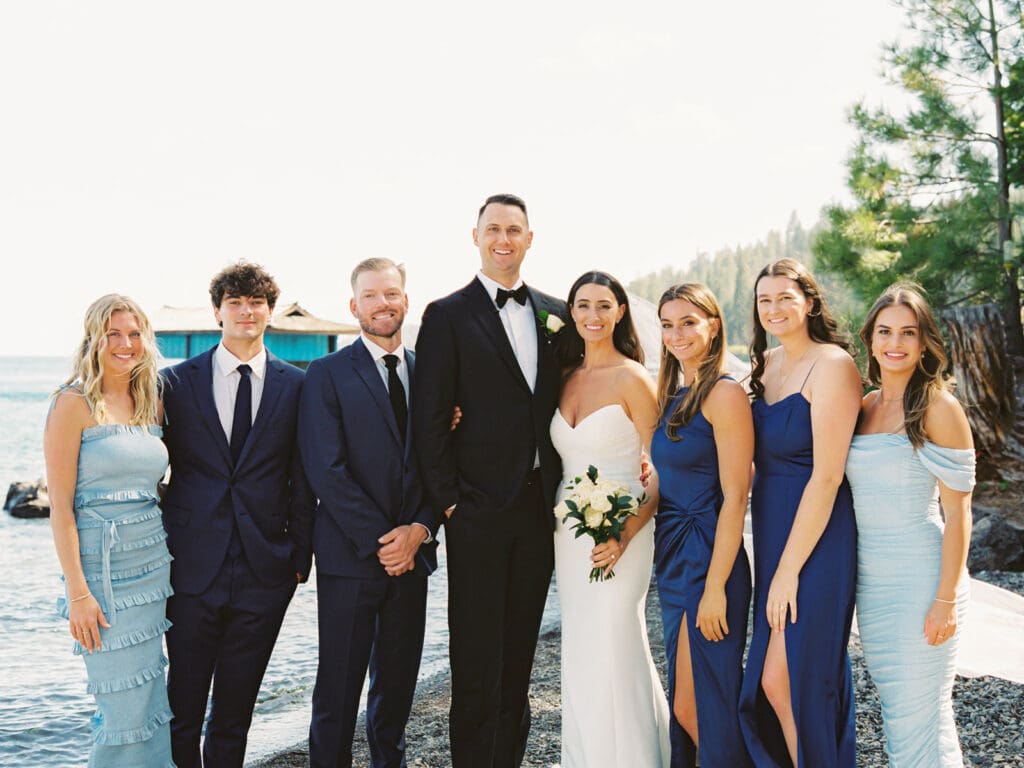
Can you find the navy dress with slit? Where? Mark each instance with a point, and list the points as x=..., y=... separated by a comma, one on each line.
x=820, y=682
x=684, y=538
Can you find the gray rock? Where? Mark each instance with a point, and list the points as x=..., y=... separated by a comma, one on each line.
x=28, y=500
x=997, y=544
x=979, y=511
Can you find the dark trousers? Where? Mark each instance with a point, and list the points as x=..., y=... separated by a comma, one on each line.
x=499, y=571
x=226, y=635
x=376, y=623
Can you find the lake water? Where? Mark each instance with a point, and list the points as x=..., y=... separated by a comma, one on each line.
x=44, y=709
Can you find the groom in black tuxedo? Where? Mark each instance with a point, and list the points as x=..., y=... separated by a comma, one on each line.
x=486, y=349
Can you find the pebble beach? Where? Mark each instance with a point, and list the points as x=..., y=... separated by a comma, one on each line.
x=989, y=711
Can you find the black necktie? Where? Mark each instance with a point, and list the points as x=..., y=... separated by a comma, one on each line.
x=397, y=393
x=241, y=422
x=519, y=294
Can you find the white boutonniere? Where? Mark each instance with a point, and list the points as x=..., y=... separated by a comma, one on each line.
x=551, y=323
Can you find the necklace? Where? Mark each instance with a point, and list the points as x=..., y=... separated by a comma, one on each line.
x=785, y=376
x=884, y=399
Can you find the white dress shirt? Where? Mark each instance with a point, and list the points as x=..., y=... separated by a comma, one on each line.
x=377, y=352
x=520, y=325
x=225, y=384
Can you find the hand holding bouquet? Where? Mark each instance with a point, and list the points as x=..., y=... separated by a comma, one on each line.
x=600, y=508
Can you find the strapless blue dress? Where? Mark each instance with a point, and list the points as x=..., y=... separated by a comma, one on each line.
x=684, y=537
x=816, y=646
x=127, y=566
x=899, y=557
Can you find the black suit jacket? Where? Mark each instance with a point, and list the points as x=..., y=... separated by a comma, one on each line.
x=266, y=495
x=465, y=359
x=363, y=473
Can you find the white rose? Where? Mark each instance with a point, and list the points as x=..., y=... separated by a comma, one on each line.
x=562, y=510
x=554, y=323
x=593, y=517
x=584, y=484
x=599, y=501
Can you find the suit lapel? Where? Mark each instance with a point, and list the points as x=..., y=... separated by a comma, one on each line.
x=202, y=390
x=367, y=370
x=486, y=314
x=547, y=365
x=410, y=362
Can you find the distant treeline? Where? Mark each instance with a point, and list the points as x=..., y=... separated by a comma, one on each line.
x=730, y=273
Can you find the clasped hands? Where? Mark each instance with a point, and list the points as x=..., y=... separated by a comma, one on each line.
x=397, y=552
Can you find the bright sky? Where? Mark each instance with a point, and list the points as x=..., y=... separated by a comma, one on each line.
x=143, y=146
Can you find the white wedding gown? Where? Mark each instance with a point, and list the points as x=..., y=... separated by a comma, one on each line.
x=614, y=709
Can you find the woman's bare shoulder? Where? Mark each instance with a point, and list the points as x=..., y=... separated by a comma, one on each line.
x=70, y=410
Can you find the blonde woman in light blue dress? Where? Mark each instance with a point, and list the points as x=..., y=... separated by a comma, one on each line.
x=104, y=458
x=912, y=450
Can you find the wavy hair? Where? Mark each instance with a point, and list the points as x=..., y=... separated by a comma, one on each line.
x=570, y=343
x=929, y=378
x=87, y=364
x=821, y=325
x=709, y=370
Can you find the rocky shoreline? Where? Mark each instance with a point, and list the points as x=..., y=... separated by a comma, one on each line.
x=989, y=711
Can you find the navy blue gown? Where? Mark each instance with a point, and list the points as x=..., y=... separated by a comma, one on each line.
x=819, y=665
x=684, y=537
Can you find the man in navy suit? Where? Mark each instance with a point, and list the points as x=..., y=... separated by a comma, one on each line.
x=238, y=513
x=373, y=533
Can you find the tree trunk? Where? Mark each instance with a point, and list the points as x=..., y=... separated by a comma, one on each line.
x=1011, y=303
x=983, y=371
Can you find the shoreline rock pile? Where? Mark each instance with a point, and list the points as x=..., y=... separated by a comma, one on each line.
x=28, y=500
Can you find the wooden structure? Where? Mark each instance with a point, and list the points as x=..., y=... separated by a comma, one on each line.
x=294, y=334
x=983, y=371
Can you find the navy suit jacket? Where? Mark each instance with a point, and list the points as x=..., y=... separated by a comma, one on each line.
x=266, y=495
x=365, y=477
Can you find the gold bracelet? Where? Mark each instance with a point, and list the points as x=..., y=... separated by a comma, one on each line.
x=80, y=597
x=947, y=602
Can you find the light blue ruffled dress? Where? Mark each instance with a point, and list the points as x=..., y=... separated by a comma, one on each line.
x=127, y=566
x=899, y=556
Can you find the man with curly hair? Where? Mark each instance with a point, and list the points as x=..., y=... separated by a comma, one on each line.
x=238, y=516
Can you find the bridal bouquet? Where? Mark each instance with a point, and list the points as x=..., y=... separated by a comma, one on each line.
x=600, y=508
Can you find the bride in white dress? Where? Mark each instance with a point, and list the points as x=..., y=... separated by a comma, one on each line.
x=614, y=709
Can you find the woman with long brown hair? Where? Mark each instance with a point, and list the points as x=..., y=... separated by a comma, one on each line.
x=702, y=452
x=913, y=449
x=104, y=458
x=614, y=711
x=796, y=705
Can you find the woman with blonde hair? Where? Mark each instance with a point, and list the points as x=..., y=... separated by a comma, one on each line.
x=702, y=452
x=796, y=705
x=913, y=449
x=104, y=458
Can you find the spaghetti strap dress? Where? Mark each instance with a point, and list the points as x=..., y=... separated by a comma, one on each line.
x=899, y=557
x=816, y=646
x=127, y=567
x=684, y=538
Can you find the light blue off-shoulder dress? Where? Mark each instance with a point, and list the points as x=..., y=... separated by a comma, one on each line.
x=127, y=566
x=899, y=556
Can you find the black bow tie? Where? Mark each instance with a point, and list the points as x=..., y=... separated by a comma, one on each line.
x=519, y=294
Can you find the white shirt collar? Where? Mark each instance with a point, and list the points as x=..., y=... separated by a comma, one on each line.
x=225, y=362
x=377, y=352
x=492, y=286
